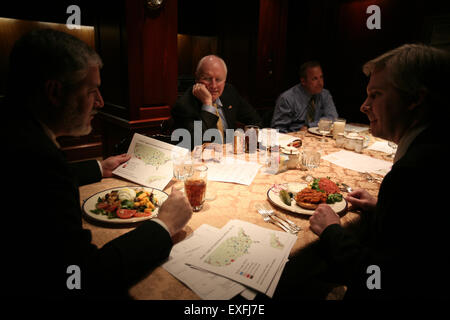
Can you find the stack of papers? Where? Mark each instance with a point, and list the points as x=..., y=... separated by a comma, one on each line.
x=151, y=164
x=241, y=258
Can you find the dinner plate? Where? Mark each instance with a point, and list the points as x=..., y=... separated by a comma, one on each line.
x=89, y=204
x=315, y=130
x=274, y=198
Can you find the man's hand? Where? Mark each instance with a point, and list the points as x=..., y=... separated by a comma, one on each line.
x=175, y=212
x=200, y=91
x=361, y=199
x=111, y=163
x=322, y=218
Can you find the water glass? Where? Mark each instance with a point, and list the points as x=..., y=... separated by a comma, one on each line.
x=182, y=166
x=195, y=187
x=310, y=160
x=338, y=127
x=324, y=127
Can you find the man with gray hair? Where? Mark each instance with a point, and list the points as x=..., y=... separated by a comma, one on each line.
x=53, y=91
x=212, y=102
x=398, y=254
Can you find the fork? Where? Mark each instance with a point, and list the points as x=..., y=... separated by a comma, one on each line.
x=264, y=211
x=268, y=219
x=270, y=212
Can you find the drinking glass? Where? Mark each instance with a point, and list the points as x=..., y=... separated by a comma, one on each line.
x=324, y=127
x=195, y=187
x=182, y=166
x=310, y=160
x=338, y=127
x=393, y=145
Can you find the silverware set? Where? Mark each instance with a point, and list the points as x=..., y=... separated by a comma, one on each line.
x=270, y=216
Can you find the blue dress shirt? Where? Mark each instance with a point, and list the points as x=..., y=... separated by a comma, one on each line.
x=292, y=106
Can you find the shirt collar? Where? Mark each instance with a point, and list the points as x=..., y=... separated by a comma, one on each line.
x=50, y=134
x=218, y=102
x=306, y=93
x=406, y=141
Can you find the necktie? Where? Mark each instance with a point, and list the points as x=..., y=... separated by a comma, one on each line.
x=219, y=120
x=311, y=110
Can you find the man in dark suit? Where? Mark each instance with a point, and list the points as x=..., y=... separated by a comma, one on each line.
x=53, y=90
x=403, y=250
x=213, y=103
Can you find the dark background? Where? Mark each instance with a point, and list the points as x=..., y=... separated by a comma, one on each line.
x=262, y=41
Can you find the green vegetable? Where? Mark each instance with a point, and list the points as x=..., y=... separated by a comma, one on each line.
x=334, y=197
x=126, y=204
x=285, y=197
x=315, y=185
x=98, y=211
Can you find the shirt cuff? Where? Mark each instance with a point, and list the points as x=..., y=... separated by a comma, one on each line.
x=209, y=109
x=100, y=168
x=162, y=224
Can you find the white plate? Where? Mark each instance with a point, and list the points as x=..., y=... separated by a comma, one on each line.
x=274, y=198
x=315, y=130
x=89, y=204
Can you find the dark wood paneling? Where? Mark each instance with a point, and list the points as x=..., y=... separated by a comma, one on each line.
x=271, y=50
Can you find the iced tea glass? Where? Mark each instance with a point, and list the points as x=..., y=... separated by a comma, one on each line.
x=195, y=187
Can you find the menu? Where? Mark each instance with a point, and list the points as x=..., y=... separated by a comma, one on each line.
x=151, y=162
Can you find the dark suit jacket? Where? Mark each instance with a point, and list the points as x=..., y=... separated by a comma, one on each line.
x=43, y=229
x=188, y=108
x=407, y=234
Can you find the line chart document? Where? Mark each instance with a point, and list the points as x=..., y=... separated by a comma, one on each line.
x=246, y=253
x=151, y=162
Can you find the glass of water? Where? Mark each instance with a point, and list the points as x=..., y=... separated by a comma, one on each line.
x=182, y=166
x=310, y=160
x=324, y=125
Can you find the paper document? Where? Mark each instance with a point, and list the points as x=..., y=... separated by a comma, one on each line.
x=151, y=162
x=233, y=170
x=206, y=285
x=359, y=162
x=246, y=253
x=382, y=146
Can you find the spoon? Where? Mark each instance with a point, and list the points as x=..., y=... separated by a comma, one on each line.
x=346, y=187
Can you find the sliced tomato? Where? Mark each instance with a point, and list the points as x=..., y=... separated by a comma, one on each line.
x=102, y=205
x=142, y=214
x=125, y=213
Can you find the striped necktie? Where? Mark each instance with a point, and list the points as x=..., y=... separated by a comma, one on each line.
x=219, y=120
x=311, y=110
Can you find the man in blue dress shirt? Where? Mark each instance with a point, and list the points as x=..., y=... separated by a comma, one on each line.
x=305, y=103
